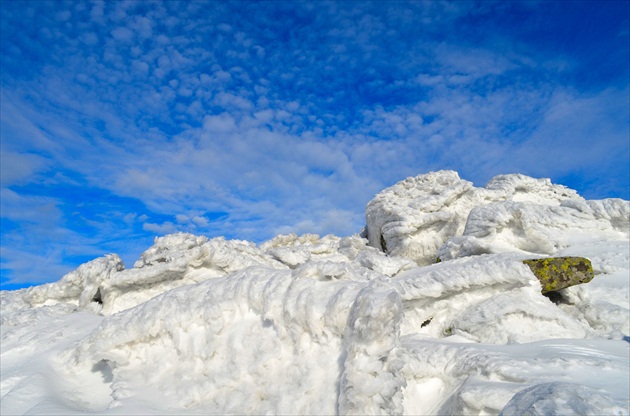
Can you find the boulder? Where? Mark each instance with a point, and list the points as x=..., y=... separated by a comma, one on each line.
x=556, y=273
x=416, y=216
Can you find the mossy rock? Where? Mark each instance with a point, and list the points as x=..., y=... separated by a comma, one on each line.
x=556, y=273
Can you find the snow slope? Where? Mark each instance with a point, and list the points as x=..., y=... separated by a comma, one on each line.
x=310, y=325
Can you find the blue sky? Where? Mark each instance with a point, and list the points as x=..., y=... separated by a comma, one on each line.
x=126, y=120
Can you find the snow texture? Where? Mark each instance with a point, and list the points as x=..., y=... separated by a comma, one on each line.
x=352, y=325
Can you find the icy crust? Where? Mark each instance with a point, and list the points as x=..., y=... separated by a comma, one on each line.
x=561, y=398
x=440, y=216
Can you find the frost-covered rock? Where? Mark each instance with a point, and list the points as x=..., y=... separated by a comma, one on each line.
x=170, y=248
x=371, y=382
x=477, y=299
x=293, y=251
x=257, y=341
x=440, y=216
x=415, y=217
x=177, y=260
x=81, y=286
x=539, y=229
x=104, y=285
x=522, y=188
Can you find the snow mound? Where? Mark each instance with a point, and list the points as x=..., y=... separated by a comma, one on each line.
x=331, y=325
x=558, y=398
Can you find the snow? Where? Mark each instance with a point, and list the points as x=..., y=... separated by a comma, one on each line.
x=331, y=325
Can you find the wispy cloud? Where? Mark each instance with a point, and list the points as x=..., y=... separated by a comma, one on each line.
x=127, y=120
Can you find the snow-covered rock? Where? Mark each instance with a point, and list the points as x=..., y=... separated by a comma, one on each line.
x=416, y=216
x=81, y=286
x=330, y=325
x=538, y=229
x=293, y=251
x=440, y=216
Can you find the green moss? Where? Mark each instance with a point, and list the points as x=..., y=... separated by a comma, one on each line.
x=556, y=273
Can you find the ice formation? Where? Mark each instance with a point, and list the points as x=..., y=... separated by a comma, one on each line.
x=352, y=325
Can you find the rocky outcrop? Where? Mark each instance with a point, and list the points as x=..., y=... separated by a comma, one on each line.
x=416, y=216
x=80, y=286
x=556, y=273
x=440, y=216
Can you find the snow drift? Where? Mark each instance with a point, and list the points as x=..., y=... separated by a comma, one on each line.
x=353, y=325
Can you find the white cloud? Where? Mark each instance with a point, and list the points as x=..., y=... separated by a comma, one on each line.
x=465, y=65
x=200, y=221
x=160, y=229
x=579, y=132
x=30, y=209
x=122, y=34
x=130, y=217
x=18, y=168
x=32, y=267
x=222, y=123
x=230, y=101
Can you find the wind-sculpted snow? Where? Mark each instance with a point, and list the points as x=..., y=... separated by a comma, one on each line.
x=292, y=251
x=250, y=343
x=330, y=325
